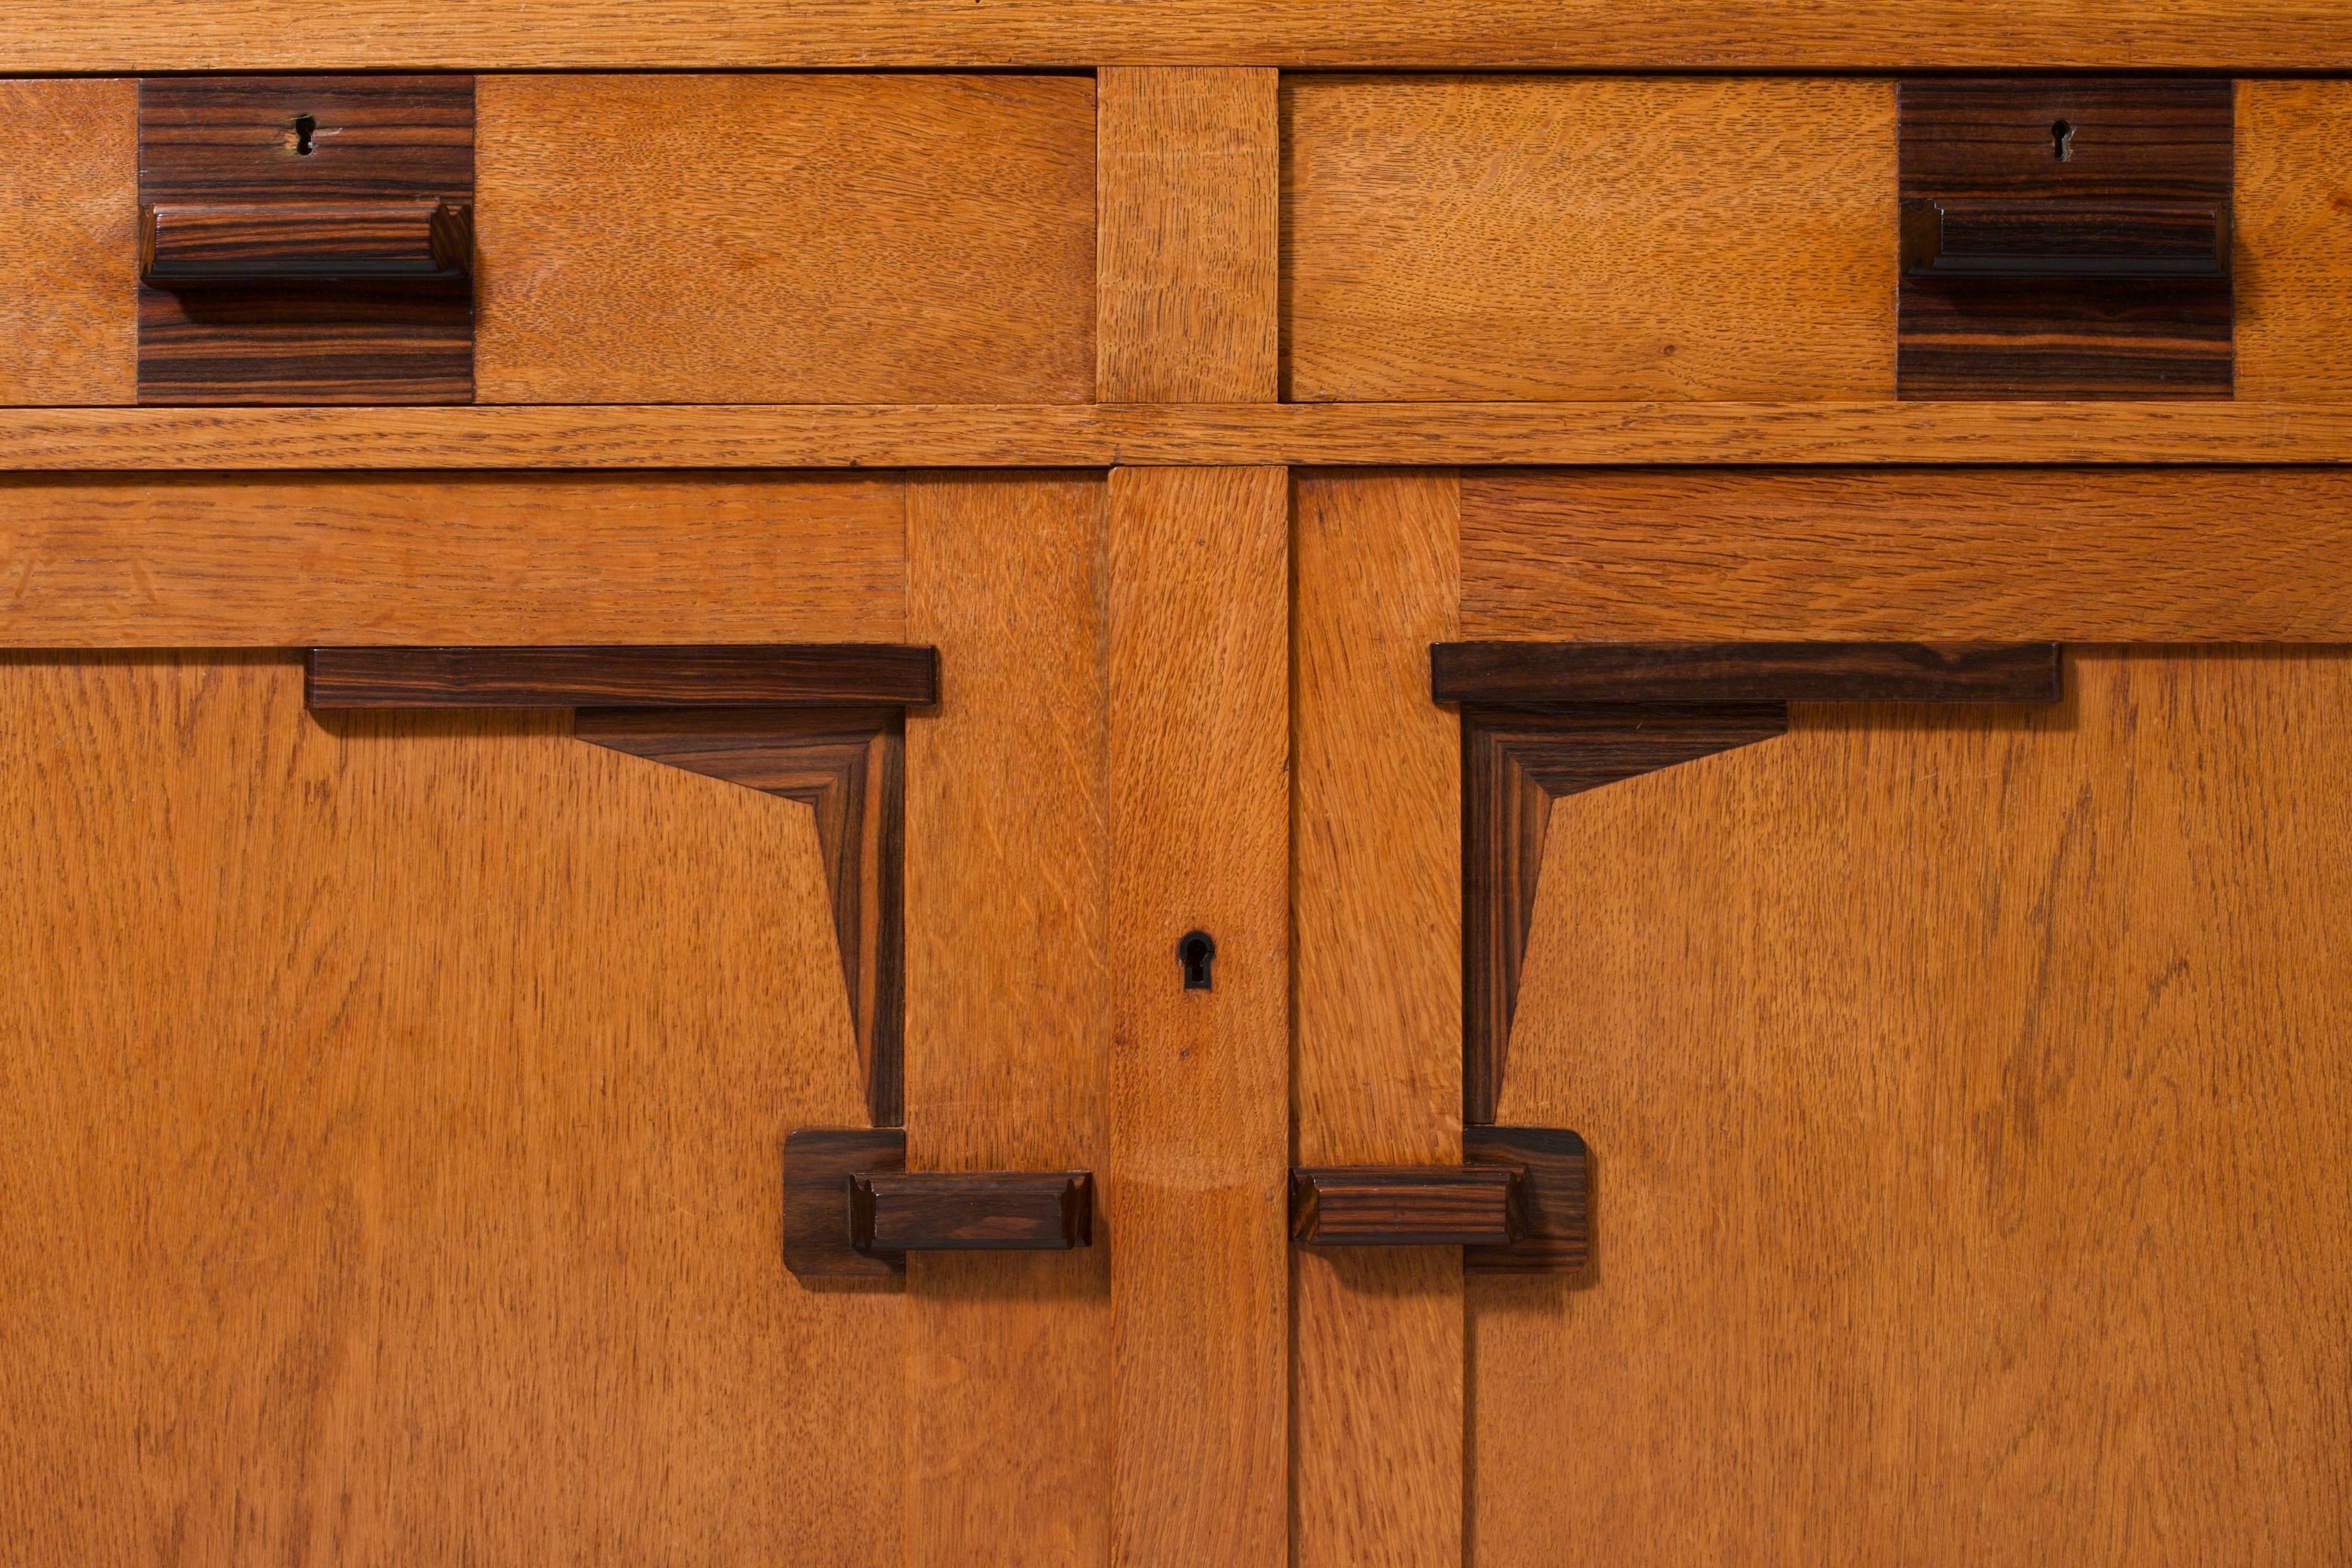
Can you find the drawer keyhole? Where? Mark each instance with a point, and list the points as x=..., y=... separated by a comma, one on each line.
x=2062, y=139
x=306, y=126
x=1196, y=951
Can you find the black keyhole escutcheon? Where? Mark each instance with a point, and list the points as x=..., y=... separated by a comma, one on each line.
x=1196, y=950
x=305, y=127
x=2062, y=139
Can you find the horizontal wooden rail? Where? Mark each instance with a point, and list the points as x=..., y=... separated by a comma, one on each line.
x=903, y=435
x=46, y=36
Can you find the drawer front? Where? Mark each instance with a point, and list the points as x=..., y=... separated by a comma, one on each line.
x=782, y=239
x=1501, y=238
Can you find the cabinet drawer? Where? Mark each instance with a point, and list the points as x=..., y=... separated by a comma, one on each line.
x=1550, y=237
x=756, y=238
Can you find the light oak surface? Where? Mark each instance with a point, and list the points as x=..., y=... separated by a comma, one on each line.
x=391, y=1119
x=2293, y=222
x=1641, y=35
x=1008, y=1012
x=1195, y=1198
x=69, y=248
x=1539, y=236
x=873, y=436
x=1969, y=1123
x=1189, y=202
x=280, y=560
x=1376, y=1063
x=784, y=239
x=1997, y=554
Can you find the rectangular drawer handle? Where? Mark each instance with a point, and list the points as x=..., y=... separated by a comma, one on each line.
x=1992, y=239
x=182, y=243
x=1518, y=1203
x=993, y=1211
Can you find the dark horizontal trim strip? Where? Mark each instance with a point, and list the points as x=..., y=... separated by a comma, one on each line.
x=1406, y=1205
x=993, y=1211
x=1540, y=674
x=693, y=676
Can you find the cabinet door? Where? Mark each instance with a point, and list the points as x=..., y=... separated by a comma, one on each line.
x=393, y=1101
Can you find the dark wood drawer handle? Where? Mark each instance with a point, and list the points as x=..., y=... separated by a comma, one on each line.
x=2057, y=239
x=185, y=244
x=1517, y=1205
x=853, y=1210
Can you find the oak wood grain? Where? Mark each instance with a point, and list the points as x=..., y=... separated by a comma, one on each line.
x=232, y=560
x=1009, y=1019
x=847, y=765
x=786, y=238
x=2294, y=232
x=393, y=1143
x=1405, y=1205
x=1189, y=210
x=931, y=435
x=694, y=675
x=1970, y=1135
x=2243, y=35
x=69, y=251
x=2139, y=556
x=1534, y=236
x=1376, y=1063
x=1193, y=1192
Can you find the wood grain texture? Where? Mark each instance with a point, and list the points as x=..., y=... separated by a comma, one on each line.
x=2126, y=142
x=1193, y=1193
x=702, y=676
x=393, y=1143
x=1972, y=1132
x=1435, y=435
x=1405, y=1205
x=786, y=239
x=1376, y=1053
x=1555, y=1198
x=213, y=140
x=70, y=181
x=1530, y=237
x=847, y=765
x=1514, y=764
x=2151, y=555
x=1189, y=218
x=818, y=1164
x=1640, y=34
x=1009, y=1012
x=269, y=560
x=2294, y=223
x=302, y=243
x=1541, y=674
x=955, y=1211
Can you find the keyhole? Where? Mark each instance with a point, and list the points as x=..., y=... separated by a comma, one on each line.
x=1196, y=950
x=2062, y=139
x=305, y=127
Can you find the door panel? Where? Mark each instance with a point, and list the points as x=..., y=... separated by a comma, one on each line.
x=391, y=1107
x=1971, y=1128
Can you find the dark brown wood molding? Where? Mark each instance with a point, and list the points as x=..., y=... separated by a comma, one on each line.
x=819, y=1164
x=1517, y=1204
x=1405, y=1205
x=1546, y=674
x=724, y=676
x=848, y=766
x=305, y=239
x=991, y=1211
x=1541, y=721
x=853, y=1211
x=2065, y=238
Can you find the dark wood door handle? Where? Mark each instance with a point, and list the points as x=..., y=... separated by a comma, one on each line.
x=2054, y=238
x=853, y=1210
x=1517, y=1205
x=182, y=244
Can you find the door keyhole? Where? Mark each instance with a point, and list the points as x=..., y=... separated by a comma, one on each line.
x=2062, y=139
x=1196, y=950
x=306, y=126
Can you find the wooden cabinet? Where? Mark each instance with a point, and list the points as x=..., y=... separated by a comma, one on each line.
x=1356, y=638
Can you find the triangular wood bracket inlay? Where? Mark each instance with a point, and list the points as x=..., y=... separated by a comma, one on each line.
x=1515, y=763
x=847, y=765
